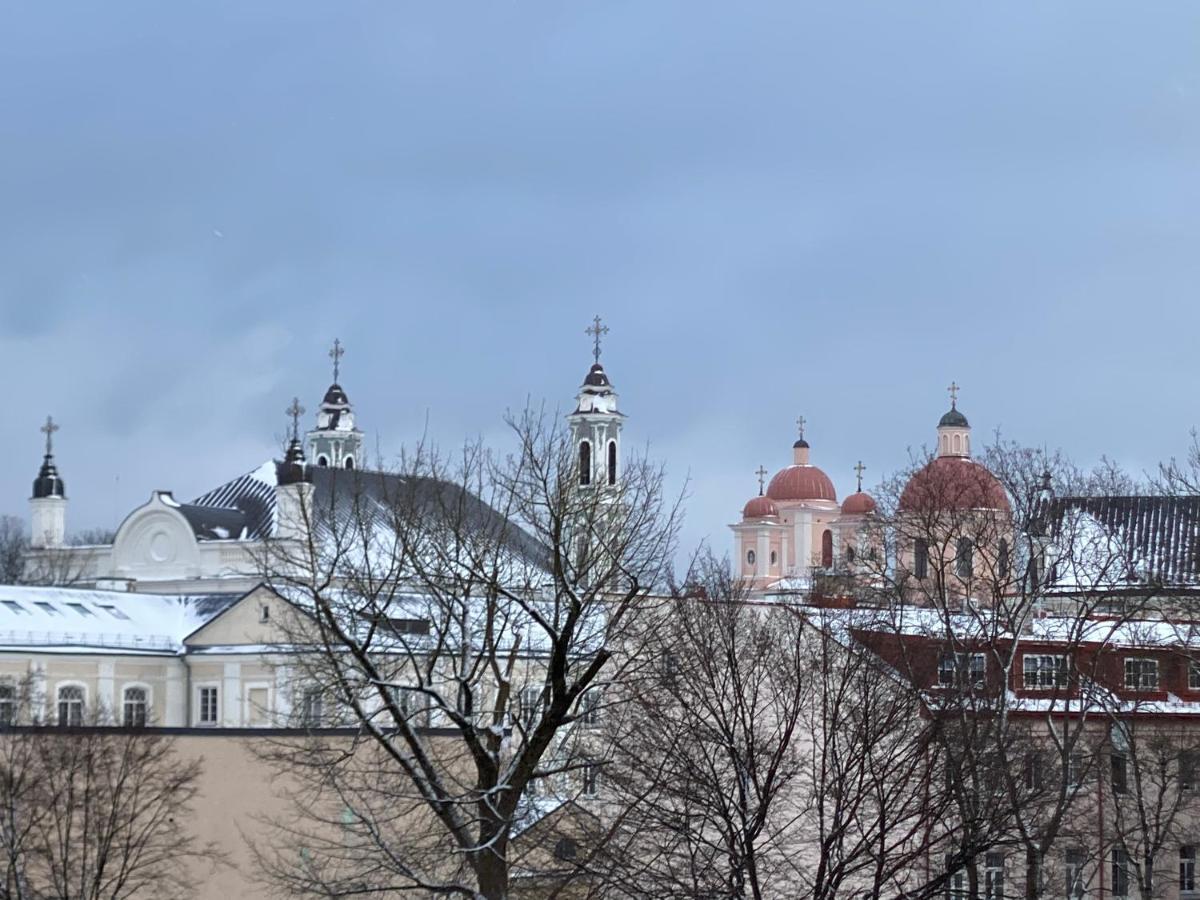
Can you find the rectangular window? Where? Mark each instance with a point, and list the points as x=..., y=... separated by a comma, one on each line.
x=1120, y=768
x=312, y=708
x=1141, y=674
x=46, y=607
x=962, y=669
x=1044, y=670
x=207, y=706
x=993, y=877
x=956, y=884
x=530, y=705
x=1187, y=770
x=590, y=776
x=1187, y=870
x=1193, y=675
x=1033, y=771
x=1073, y=869
x=589, y=707
x=8, y=704
x=81, y=609
x=921, y=558
x=15, y=607
x=70, y=706
x=1120, y=872
x=113, y=611
x=1076, y=764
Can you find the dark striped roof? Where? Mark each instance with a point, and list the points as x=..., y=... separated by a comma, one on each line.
x=1158, y=534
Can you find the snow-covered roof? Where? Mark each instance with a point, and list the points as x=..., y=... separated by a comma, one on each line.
x=69, y=619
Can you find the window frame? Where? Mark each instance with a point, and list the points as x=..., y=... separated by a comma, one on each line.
x=198, y=716
x=1140, y=666
x=61, y=686
x=1057, y=674
x=920, y=558
x=962, y=669
x=1120, y=872
x=147, y=701
x=1187, y=869
x=589, y=779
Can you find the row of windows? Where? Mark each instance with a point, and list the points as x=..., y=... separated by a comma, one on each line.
x=71, y=704
x=964, y=558
x=1074, y=876
x=585, y=463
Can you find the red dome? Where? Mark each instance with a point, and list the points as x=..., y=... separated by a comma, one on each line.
x=759, y=507
x=953, y=483
x=859, y=504
x=801, y=483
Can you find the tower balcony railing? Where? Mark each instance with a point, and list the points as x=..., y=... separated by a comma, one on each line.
x=159, y=642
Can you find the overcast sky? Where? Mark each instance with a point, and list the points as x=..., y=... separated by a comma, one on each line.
x=779, y=209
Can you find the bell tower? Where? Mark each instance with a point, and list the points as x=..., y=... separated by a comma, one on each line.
x=954, y=431
x=48, y=505
x=596, y=422
x=335, y=442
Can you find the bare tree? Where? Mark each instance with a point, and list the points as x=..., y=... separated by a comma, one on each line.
x=95, y=812
x=455, y=615
x=14, y=542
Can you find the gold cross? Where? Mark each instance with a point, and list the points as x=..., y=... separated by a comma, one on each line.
x=295, y=411
x=336, y=355
x=596, y=330
x=48, y=430
x=762, y=476
x=858, y=470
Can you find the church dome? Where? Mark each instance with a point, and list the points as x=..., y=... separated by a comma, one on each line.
x=596, y=377
x=759, y=508
x=801, y=482
x=335, y=396
x=953, y=483
x=858, y=504
x=953, y=419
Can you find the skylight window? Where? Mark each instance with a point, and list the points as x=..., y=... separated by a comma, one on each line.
x=81, y=609
x=15, y=607
x=114, y=612
x=46, y=607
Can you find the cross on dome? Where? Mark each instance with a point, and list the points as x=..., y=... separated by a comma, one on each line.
x=800, y=423
x=336, y=353
x=295, y=411
x=596, y=330
x=858, y=470
x=762, y=477
x=953, y=389
x=48, y=430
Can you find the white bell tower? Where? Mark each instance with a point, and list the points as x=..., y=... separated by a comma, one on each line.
x=335, y=442
x=48, y=505
x=596, y=423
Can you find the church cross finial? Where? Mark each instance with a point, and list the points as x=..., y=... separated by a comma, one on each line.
x=953, y=389
x=295, y=411
x=596, y=330
x=800, y=423
x=336, y=353
x=858, y=470
x=762, y=477
x=48, y=430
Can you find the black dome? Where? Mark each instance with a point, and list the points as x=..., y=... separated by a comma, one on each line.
x=800, y=443
x=48, y=483
x=596, y=377
x=335, y=396
x=953, y=419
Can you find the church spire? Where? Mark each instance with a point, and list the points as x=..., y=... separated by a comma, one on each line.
x=48, y=505
x=954, y=431
x=596, y=421
x=336, y=442
x=294, y=469
x=48, y=483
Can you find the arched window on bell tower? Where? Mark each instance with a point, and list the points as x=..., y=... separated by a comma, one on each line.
x=827, y=549
x=612, y=462
x=585, y=462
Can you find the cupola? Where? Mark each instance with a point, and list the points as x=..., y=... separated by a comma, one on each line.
x=48, y=504
x=596, y=422
x=954, y=432
x=336, y=442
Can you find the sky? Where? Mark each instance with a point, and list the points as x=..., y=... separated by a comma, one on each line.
x=779, y=209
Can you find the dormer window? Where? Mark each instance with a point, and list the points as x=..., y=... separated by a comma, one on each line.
x=1141, y=674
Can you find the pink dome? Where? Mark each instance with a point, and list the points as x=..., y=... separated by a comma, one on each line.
x=953, y=483
x=859, y=504
x=759, y=508
x=801, y=483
